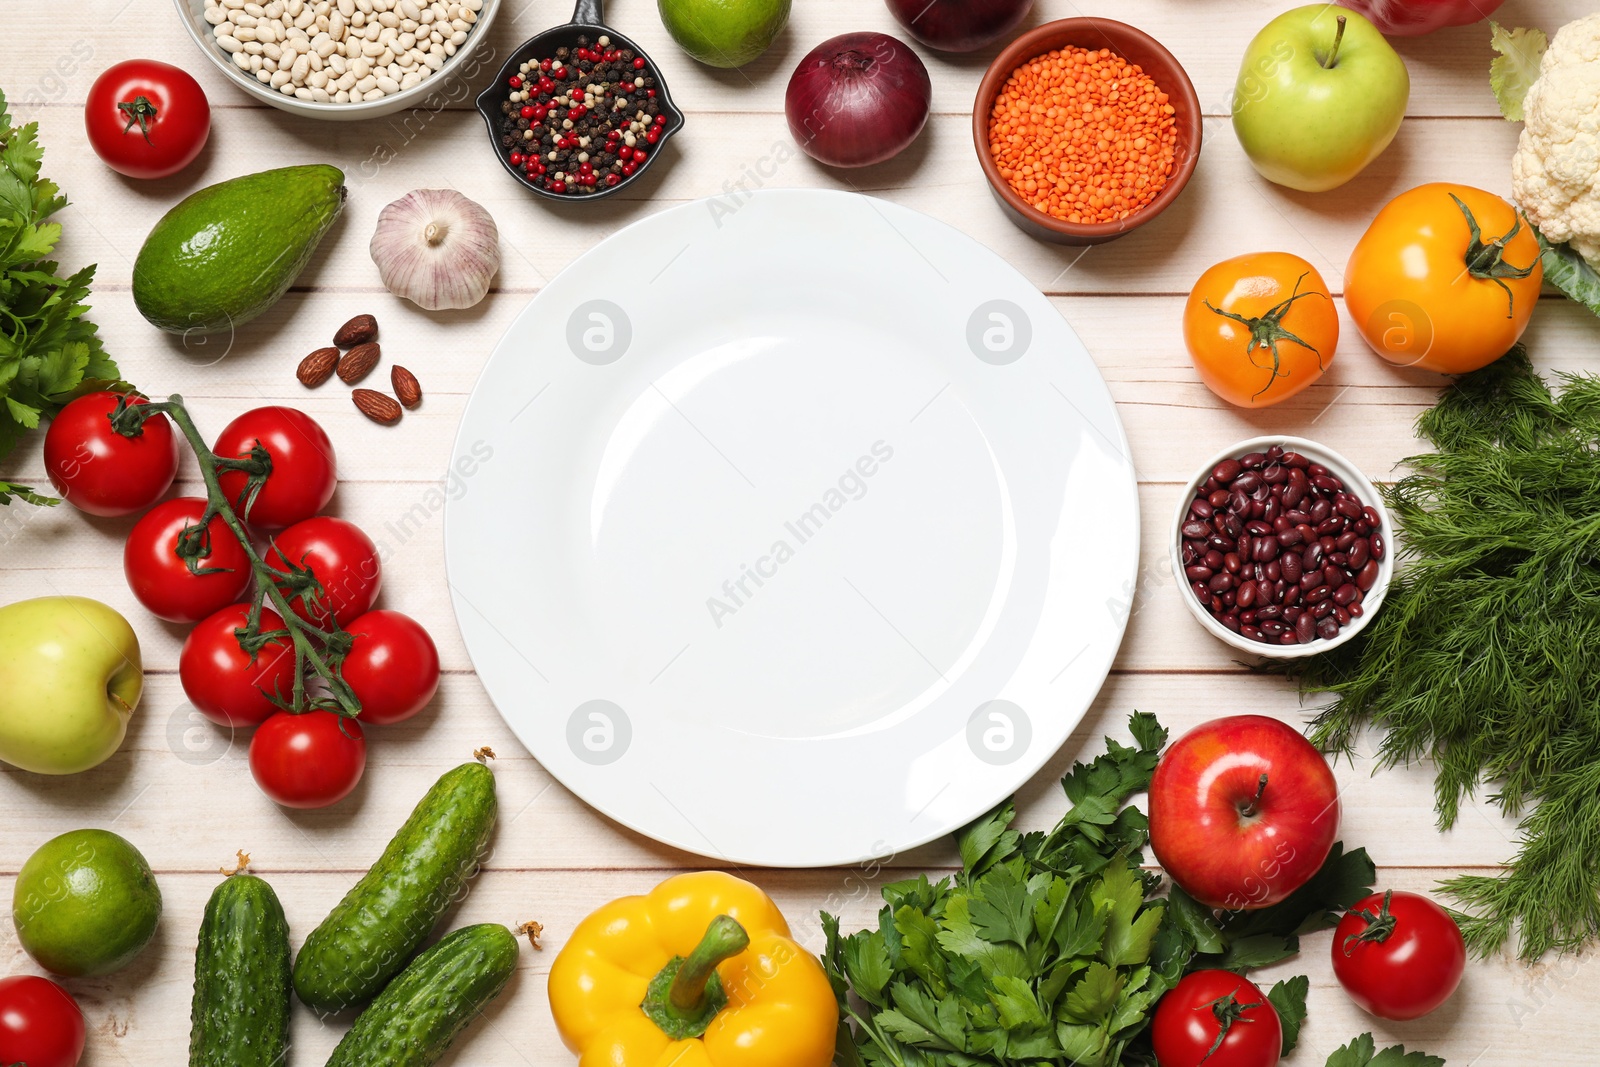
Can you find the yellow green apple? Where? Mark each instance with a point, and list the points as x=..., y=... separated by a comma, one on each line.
x=70, y=678
x=1320, y=95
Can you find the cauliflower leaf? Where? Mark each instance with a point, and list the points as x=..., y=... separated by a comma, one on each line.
x=1513, y=72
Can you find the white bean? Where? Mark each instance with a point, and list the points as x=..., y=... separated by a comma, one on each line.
x=388, y=85
x=367, y=84
x=233, y=5
x=435, y=60
x=457, y=38
x=341, y=97
x=406, y=61
x=375, y=94
x=358, y=20
x=323, y=45
x=321, y=96
x=450, y=48
x=216, y=16
x=241, y=60
x=302, y=93
x=280, y=79
x=388, y=35
x=255, y=62
x=388, y=19
x=253, y=47
x=301, y=68
x=315, y=60
x=294, y=7
x=408, y=25
x=268, y=63
x=272, y=51
x=244, y=33
x=264, y=75
x=336, y=25
x=224, y=29
x=347, y=80
x=317, y=79
x=406, y=41
x=230, y=44
x=306, y=18
x=364, y=6
x=361, y=66
x=474, y=5
x=274, y=10
x=411, y=80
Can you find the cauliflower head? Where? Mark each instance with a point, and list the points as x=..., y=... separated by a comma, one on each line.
x=1555, y=175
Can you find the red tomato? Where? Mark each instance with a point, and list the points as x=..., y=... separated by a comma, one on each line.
x=393, y=666
x=1398, y=955
x=99, y=471
x=304, y=471
x=163, y=581
x=147, y=119
x=40, y=1024
x=1243, y=811
x=310, y=760
x=219, y=677
x=1208, y=1003
x=344, y=560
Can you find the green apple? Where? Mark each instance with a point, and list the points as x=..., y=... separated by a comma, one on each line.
x=1320, y=95
x=70, y=678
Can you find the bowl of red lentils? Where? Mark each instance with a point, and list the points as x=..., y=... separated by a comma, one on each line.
x=1086, y=128
x=1281, y=547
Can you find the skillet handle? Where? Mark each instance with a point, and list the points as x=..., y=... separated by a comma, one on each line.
x=589, y=12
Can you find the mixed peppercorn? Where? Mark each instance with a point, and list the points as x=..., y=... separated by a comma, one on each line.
x=582, y=120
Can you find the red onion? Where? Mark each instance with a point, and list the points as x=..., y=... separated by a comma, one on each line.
x=858, y=99
x=959, y=25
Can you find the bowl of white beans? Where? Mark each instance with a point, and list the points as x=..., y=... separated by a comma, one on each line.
x=347, y=59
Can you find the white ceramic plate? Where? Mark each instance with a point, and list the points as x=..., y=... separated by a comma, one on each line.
x=791, y=530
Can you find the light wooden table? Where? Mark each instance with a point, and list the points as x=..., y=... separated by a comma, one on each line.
x=186, y=798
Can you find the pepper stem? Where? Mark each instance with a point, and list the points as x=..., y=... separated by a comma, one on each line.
x=686, y=995
x=1333, y=53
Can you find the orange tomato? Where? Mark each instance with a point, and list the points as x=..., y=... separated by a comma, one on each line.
x=1445, y=278
x=1260, y=328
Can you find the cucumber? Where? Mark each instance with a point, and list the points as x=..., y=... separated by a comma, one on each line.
x=241, y=979
x=379, y=925
x=418, y=1016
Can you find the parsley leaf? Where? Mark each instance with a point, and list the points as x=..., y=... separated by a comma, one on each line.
x=1289, y=1000
x=49, y=354
x=1359, y=1053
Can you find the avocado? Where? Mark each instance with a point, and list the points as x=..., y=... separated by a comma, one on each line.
x=226, y=254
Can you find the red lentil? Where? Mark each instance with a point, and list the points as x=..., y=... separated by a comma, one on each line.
x=1084, y=136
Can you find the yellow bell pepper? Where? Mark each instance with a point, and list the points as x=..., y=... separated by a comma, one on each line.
x=701, y=972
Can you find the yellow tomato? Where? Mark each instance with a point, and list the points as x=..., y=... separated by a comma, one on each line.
x=1260, y=328
x=1445, y=278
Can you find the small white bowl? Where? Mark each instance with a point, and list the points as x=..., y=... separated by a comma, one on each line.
x=476, y=72
x=1354, y=481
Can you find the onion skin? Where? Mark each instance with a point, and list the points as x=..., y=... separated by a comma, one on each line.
x=959, y=25
x=858, y=99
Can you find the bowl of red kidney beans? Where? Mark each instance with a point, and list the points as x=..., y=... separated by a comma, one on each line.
x=1281, y=547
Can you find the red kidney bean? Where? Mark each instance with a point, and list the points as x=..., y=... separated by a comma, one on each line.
x=1376, y=541
x=1369, y=515
x=1333, y=576
x=1291, y=537
x=1338, y=559
x=1327, y=483
x=1220, y=583
x=1231, y=622
x=1345, y=595
x=1274, y=628
x=1238, y=502
x=1226, y=471
x=1275, y=452
x=1231, y=563
x=1322, y=610
x=1191, y=553
x=1311, y=558
x=1218, y=606
x=1201, y=508
x=1356, y=610
x=1291, y=566
x=1294, y=459
x=1197, y=573
x=1345, y=540
x=1271, y=611
x=1314, y=468
x=1250, y=633
x=1305, y=628
x=1328, y=629
x=1368, y=576
x=1265, y=548
x=1248, y=482
x=1314, y=596
x=1349, y=507
x=1342, y=615
x=1195, y=528
x=1291, y=596
x=1218, y=498
x=1293, y=493
x=1258, y=528
x=1273, y=570
x=1246, y=595
x=1320, y=510
x=1275, y=475
x=1213, y=559
x=1251, y=460
x=1220, y=543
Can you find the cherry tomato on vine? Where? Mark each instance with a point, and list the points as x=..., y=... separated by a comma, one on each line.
x=1260, y=328
x=344, y=560
x=163, y=582
x=40, y=1024
x=1445, y=279
x=304, y=471
x=219, y=677
x=1218, y=1019
x=101, y=472
x=1398, y=955
x=310, y=760
x=392, y=667
x=146, y=119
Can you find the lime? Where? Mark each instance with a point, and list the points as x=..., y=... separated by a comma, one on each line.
x=85, y=903
x=724, y=33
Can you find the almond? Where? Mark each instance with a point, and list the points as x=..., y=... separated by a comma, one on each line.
x=358, y=363
x=379, y=407
x=317, y=367
x=358, y=331
x=406, y=386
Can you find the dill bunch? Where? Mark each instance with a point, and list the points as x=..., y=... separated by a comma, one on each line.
x=1486, y=656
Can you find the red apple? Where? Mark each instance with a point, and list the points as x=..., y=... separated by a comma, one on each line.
x=1243, y=811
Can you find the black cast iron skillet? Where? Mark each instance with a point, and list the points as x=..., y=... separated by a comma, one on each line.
x=587, y=21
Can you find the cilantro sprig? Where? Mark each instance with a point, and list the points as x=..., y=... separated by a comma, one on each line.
x=49, y=353
x=1054, y=948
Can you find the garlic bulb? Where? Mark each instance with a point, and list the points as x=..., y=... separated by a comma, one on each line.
x=437, y=249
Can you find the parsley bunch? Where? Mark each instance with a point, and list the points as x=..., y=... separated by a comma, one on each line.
x=49, y=353
x=1051, y=948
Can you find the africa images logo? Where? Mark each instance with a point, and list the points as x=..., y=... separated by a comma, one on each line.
x=850, y=486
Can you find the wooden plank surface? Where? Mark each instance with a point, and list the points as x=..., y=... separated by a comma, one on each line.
x=181, y=790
